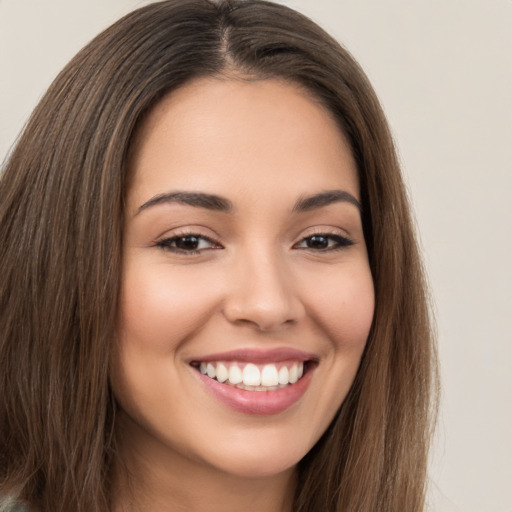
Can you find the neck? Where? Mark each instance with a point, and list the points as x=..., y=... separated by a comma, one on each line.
x=148, y=478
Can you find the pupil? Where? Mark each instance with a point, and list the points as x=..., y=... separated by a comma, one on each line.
x=318, y=242
x=187, y=242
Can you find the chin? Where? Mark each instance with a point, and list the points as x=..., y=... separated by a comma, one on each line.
x=258, y=456
x=255, y=466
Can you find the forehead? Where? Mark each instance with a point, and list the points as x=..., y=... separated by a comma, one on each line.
x=256, y=136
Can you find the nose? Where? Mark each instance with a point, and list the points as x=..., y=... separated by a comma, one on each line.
x=262, y=293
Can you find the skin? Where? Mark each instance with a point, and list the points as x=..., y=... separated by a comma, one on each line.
x=262, y=145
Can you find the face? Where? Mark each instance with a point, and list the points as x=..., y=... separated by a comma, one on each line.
x=247, y=296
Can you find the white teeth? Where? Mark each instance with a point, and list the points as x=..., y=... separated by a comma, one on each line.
x=251, y=375
x=222, y=373
x=210, y=370
x=283, y=375
x=293, y=375
x=269, y=376
x=235, y=374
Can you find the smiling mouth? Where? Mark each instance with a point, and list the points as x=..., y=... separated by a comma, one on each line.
x=254, y=377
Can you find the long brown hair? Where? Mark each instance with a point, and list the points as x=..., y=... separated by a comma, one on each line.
x=61, y=227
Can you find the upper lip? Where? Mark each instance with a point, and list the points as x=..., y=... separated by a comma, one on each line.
x=258, y=356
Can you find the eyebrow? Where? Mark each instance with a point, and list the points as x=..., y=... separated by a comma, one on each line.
x=196, y=199
x=221, y=204
x=308, y=203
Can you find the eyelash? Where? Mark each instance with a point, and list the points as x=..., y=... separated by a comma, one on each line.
x=340, y=242
x=168, y=244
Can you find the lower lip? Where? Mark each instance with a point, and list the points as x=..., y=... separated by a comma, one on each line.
x=258, y=402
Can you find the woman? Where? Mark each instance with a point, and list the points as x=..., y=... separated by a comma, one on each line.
x=211, y=295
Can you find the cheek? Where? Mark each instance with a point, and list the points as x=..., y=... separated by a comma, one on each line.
x=159, y=306
x=344, y=308
x=342, y=313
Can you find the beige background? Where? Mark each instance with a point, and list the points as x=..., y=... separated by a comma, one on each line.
x=443, y=70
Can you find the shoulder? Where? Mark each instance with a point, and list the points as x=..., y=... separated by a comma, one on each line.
x=9, y=505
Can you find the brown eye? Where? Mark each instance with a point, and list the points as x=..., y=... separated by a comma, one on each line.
x=317, y=242
x=324, y=242
x=187, y=244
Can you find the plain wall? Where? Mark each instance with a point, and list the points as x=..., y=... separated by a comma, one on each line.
x=443, y=71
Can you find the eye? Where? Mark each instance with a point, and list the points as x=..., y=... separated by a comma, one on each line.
x=324, y=242
x=187, y=244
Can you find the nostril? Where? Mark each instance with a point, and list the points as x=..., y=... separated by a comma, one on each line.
x=262, y=296
x=263, y=316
